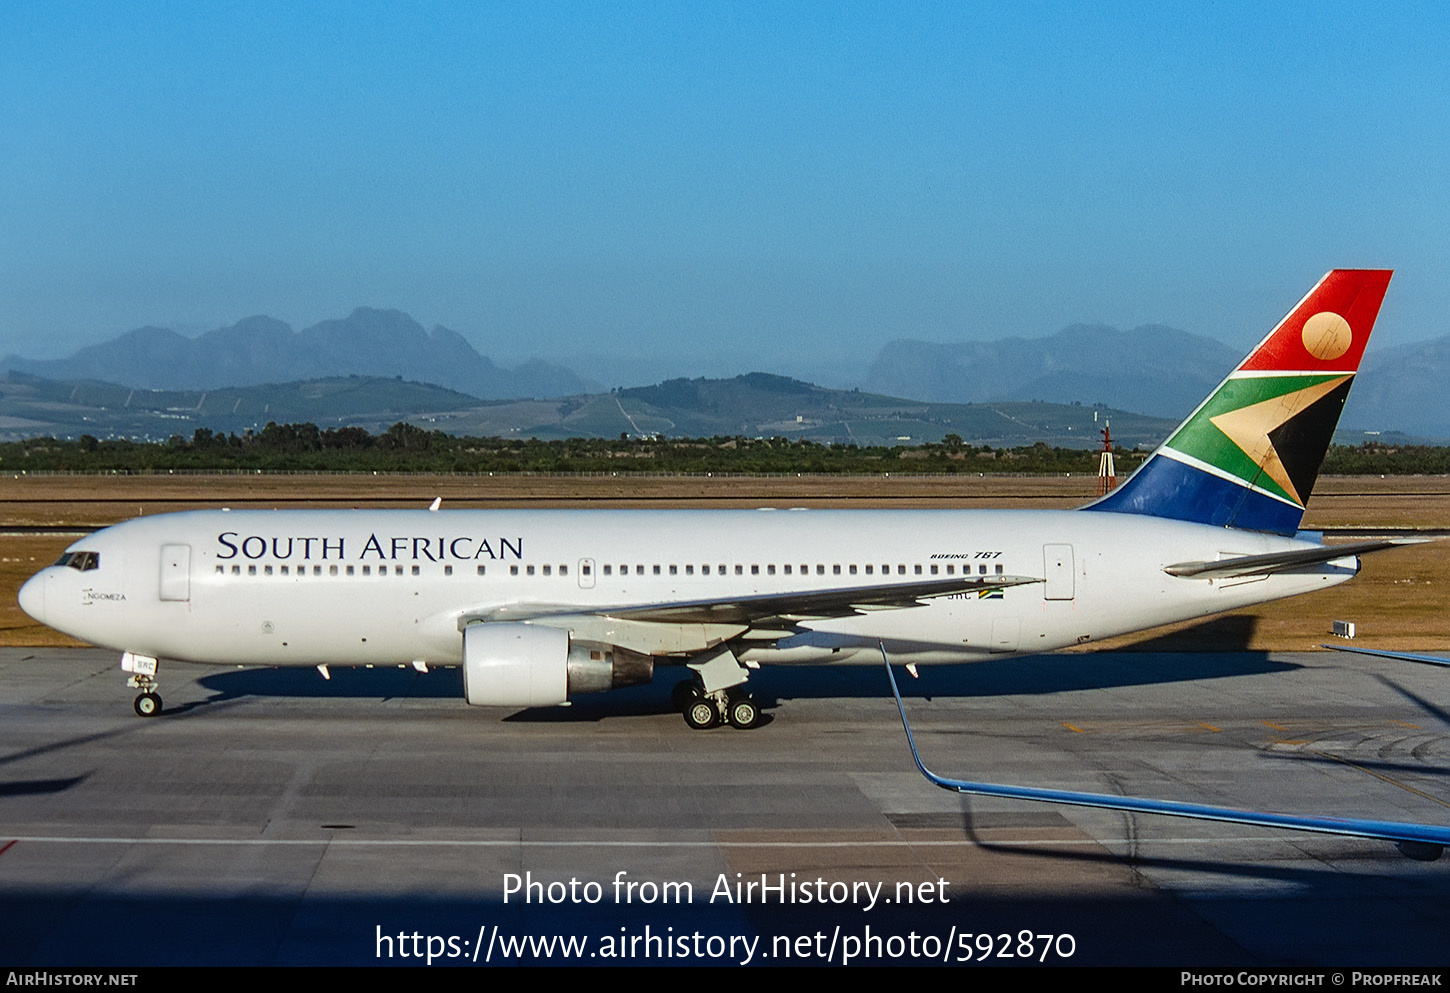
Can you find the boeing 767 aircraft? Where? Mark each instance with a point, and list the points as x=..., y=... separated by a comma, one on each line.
x=540, y=605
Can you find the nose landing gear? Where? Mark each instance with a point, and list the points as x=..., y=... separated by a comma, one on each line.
x=143, y=677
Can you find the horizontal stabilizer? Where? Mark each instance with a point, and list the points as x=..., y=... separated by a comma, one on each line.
x=1272, y=562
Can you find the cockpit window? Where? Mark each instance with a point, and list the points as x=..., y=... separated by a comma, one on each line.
x=80, y=561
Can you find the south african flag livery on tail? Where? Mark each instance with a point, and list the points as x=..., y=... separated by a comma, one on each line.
x=1248, y=456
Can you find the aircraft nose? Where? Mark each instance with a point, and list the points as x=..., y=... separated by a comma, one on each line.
x=32, y=597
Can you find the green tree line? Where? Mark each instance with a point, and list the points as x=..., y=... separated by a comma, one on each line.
x=407, y=448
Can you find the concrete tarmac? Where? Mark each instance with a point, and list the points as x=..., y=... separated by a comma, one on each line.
x=271, y=817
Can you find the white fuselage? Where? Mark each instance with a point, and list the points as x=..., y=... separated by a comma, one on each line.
x=354, y=587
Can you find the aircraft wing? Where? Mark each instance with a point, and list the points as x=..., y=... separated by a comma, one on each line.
x=1263, y=565
x=752, y=611
x=1400, y=656
x=1422, y=842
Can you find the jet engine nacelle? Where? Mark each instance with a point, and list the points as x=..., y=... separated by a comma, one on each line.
x=527, y=665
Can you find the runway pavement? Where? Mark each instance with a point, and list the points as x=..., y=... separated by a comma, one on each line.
x=271, y=817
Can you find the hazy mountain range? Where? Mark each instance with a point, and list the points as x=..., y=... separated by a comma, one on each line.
x=1154, y=370
x=753, y=405
x=1403, y=388
x=259, y=350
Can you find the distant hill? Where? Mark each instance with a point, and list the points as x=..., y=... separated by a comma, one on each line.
x=31, y=406
x=1403, y=389
x=754, y=405
x=1155, y=369
x=261, y=350
x=759, y=404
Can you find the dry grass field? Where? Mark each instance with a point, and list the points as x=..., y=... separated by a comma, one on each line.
x=1398, y=600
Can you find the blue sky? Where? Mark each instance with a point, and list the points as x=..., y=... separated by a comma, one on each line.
x=703, y=189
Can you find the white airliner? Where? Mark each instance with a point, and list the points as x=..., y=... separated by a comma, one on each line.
x=539, y=605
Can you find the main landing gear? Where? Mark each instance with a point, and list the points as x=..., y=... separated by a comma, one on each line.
x=703, y=710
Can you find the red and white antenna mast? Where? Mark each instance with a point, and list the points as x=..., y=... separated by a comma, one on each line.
x=1107, y=475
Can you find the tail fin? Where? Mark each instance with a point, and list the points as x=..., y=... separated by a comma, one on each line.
x=1248, y=456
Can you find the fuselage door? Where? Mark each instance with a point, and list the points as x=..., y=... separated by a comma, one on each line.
x=1057, y=571
x=176, y=572
x=586, y=574
x=1005, y=631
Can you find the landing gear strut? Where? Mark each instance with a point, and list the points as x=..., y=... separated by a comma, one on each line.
x=717, y=693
